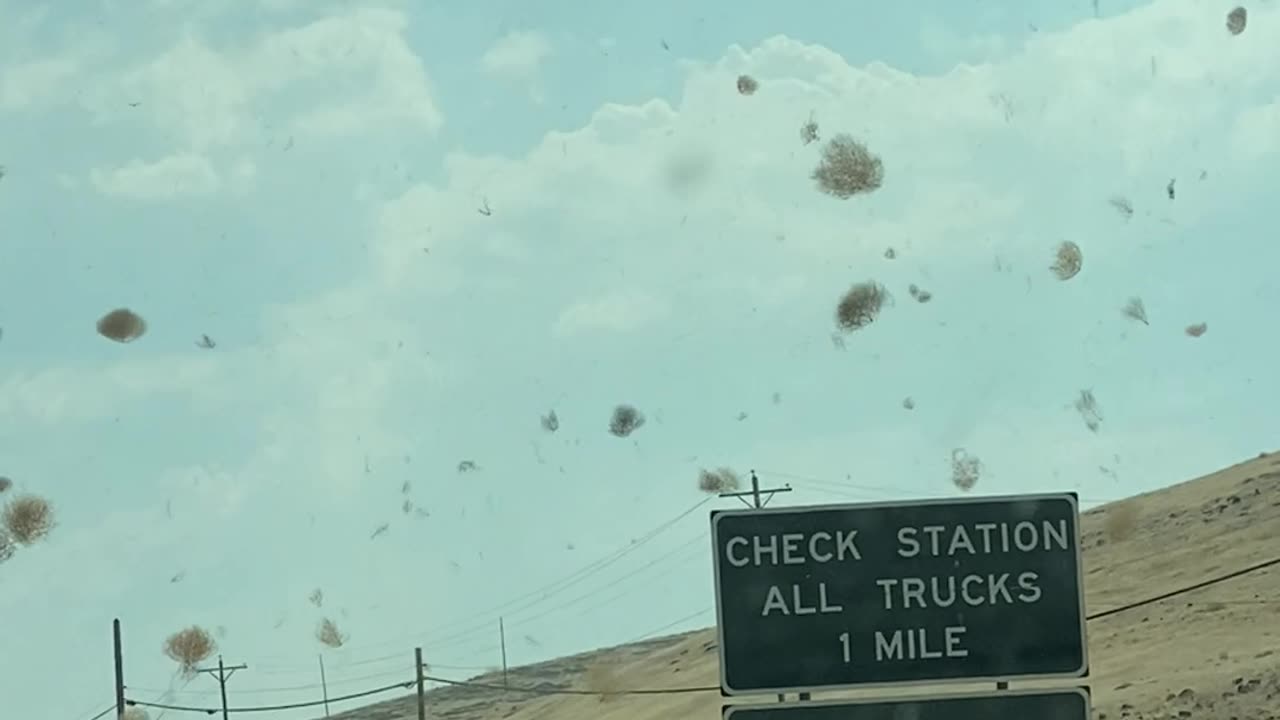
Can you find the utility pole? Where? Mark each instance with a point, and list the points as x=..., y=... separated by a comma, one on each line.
x=502, y=639
x=422, y=698
x=224, y=674
x=754, y=493
x=119, y=652
x=324, y=685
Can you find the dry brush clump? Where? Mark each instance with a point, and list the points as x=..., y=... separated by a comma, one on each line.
x=860, y=305
x=1121, y=520
x=965, y=469
x=1134, y=309
x=7, y=546
x=122, y=325
x=1068, y=259
x=189, y=647
x=717, y=481
x=1197, y=329
x=550, y=422
x=747, y=85
x=1237, y=19
x=28, y=518
x=848, y=168
x=316, y=597
x=1087, y=406
x=328, y=634
x=625, y=420
x=602, y=679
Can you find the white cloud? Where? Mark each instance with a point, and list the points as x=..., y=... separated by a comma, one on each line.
x=517, y=55
x=34, y=83
x=613, y=312
x=174, y=176
x=354, y=73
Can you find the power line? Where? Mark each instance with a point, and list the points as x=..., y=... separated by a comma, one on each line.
x=110, y=708
x=538, y=595
x=274, y=708
x=572, y=579
x=685, y=690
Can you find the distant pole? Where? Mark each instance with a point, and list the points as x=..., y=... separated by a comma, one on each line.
x=502, y=639
x=756, y=502
x=324, y=685
x=759, y=498
x=119, y=652
x=422, y=698
x=223, y=674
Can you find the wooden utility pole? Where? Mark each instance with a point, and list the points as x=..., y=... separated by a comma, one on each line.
x=119, y=652
x=502, y=641
x=755, y=493
x=422, y=697
x=756, y=502
x=324, y=685
x=223, y=673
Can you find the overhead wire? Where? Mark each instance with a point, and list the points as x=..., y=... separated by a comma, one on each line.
x=542, y=593
x=542, y=690
x=593, y=593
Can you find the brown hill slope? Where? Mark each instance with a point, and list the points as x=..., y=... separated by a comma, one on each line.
x=1209, y=652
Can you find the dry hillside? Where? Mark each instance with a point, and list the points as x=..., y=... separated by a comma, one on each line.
x=1212, y=652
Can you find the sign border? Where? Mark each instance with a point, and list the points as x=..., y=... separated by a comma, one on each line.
x=1072, y=498
x=727, y=711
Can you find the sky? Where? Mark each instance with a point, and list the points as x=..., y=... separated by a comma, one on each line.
x=413, y=230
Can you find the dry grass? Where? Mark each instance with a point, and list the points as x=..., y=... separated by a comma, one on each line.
x=1087, y=406
x=1067, y=260
x=859, y=306
x=5, y=484
x=189, y=647
x=1121, y=520
x=1237, y=19
x=717, y=481
x=601, y=678
x=1197, y=330
x=316, y=597
x=550, y=422
x=1136, y=310
x=328, y=634
x=747, y=85
x=848, y=168
x=625, y=420
x=965, y=469
x=122, y=325
x=28, y=518
x=135, y=713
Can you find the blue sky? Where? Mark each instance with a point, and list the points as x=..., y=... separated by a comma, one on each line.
x=301, y=183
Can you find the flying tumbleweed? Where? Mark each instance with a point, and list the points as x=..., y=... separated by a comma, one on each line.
x=1067, y=260
x=848, y=168
x=718, y=481
x=860, y=305
x=626, y=420
x=27, y=519
x=189, y=647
